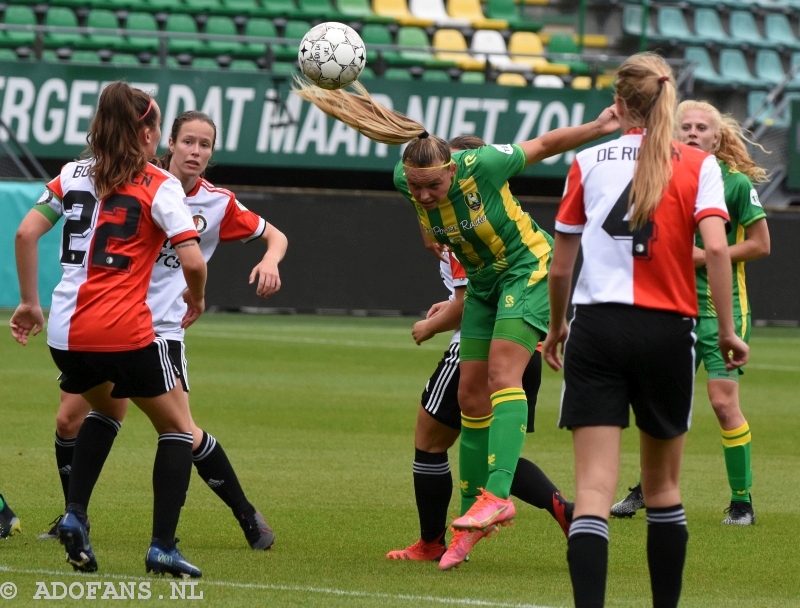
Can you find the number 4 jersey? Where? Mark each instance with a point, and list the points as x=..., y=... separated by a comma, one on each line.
x=651, y=267
x=107, y=255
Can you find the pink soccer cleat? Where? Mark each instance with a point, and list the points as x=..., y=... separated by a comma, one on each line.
x=461, y=545
x=489, y=510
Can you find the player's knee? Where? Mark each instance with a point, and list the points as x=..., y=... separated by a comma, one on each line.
x=68, y=423
x=726, y=409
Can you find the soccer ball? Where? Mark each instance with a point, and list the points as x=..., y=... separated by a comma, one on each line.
x=332, y=55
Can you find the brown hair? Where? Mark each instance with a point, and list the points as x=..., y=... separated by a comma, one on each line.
x=164, y=160
x=646, y=87
x=466, y=142
x=731, y=146
x=113, y=137
x=358, y=110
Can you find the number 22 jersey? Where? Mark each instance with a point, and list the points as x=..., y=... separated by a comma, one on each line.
x=107, y=253
x=651, y=267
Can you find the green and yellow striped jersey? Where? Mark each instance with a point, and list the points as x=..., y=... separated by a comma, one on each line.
x=744, y=209
x=480, y=220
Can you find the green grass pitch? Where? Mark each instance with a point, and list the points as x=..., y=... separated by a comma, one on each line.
x=317, y=416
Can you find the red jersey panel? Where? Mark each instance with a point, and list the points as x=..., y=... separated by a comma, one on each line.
x=651, y=267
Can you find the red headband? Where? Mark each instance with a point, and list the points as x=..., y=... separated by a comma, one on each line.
x=147, y=111
x=662, y=79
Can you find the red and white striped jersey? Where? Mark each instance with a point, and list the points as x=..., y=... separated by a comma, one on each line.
x=218, y=217
x=453, y=275
x=107, y=253
x=651, y=267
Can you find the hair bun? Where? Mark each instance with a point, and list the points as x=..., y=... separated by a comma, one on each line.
x=423, y=135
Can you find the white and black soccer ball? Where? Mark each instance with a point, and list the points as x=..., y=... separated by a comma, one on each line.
x=332, y=55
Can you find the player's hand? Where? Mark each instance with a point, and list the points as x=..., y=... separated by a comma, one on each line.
x=437, y=249
x=553, y=346
x=608, y=121
x=698, y=257
x=195, y=309
x=437, y=308
x=734, y=350
x=420, y=332
x=26, y=320
x=268, y=277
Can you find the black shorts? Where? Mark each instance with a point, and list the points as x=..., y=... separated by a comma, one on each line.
x=618, y=355
x=440, y=397
x=145, y=372
x=177, y=352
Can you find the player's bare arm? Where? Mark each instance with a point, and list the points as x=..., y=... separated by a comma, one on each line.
x=266, y=271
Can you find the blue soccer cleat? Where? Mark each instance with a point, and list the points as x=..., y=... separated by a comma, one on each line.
x=72, y=533
x=161, y=561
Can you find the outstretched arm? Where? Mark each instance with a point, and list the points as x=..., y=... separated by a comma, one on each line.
x=569, y=138
x=266, y=271
x=28, y=317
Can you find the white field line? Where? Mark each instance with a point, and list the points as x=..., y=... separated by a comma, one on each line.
x=327, y=341
x=291, y=588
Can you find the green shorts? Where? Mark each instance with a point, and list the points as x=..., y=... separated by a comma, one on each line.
x=515, y=308
x=707, y=349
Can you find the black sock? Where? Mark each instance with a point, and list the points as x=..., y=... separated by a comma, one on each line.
x=171, y=472
x=214, y=467
x=666, y=553
x=65, y=448
x=533, y=486
x=92, y=446
x=587, y=555
x=433, y=487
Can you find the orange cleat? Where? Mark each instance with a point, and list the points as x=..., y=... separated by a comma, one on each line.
x=420, y=551
x=489, y=510
x=461, y=545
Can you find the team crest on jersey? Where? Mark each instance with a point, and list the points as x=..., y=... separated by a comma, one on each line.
x=200, y=223
x=457, y=239
x=473, y=200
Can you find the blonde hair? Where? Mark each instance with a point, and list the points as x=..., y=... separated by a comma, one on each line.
x=358, y=110
x=646, y=86
x=731, y=146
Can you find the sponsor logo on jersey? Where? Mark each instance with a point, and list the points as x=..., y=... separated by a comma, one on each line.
x=200, y=223
x=457, y=239
x=474, y=201
x=505, y=148
x=509, y=301
x=754, y=198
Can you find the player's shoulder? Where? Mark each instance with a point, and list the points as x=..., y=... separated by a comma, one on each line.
x=208, y=190
x=734, y=177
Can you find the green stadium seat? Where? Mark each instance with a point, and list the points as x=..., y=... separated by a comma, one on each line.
x=508, y=11
x=239, y=7
x=263, y=28
x=397, y=74
x=632, y=22
x=360, y=10
x=794, y=62
x=473, y=78
x=144, y=22
x=243, y=65
x=766, y=116
x=61, y=16
x=49, y=56
x=183, y=24
x=8, y=55
x=18, y=15
x=672, y=26
x=769, y=67
x=122, y=60
x=204, y=63
x=280, y=8
x=414, y=36
x=708, y=27
x=778, y=31
x=294, y=30
x=704, y=71
x=374, y=33
x=733, y=68
x=127, y=5
x=436, y=76
x=744, y=31
x=565, y=44
x=172, y=62
x=83, y=56
x=202, y=6
x=102, y=18
x=162, y=6
x=367, y=74
x=222, y=26
x=318, y=9
x=284, y=68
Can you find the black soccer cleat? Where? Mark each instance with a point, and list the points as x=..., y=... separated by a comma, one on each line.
x=160, y=560
x=257, y=532
x=740, y=514
x=9, y=523
x=73, y=534
x=628, y=506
